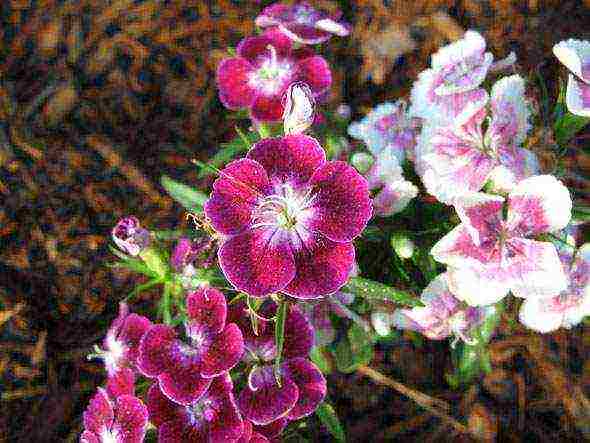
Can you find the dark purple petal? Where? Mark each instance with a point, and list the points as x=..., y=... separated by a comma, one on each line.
x=268, y=108
x=257, y=263
x=306, y=34
x=130, y=237
x=291, y=159
x=315, y=71
x=161, y=409
x=274, y=429
x=227, y=425
x=263, y=401
x=121, y=383
x=235, y=193
x=298, y=335
x=154, y=350
x=133, y=329
x=208, y=309
x=130, y=419
x=89, y=437
x=177, y=431
x=253, y=48
x=233, y=80
x=341, y=201
x=225, y=352
x=323, y=267
x=99, y=414
x=311, y=384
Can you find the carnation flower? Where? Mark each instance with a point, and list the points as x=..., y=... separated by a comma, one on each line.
x=488, y=255
x=120, y=346
x=289, y=218
x=302, y=386
x=184, y=370
x=387, y=126
x=123, y=420
x=130, y=237
x=575, y=55
x=568, y=308
x=264, y=68
x=212, y=418
x=302, y=23
x=462, y=157
x=442, y=314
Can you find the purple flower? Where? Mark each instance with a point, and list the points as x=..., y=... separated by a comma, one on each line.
x=302, y=386
x=212, y=418
x=575, y=55
x=488, y=255
x=250, y=435
x=123, y=420
x=302, y=23
x=184, y=370
x=568, y=308
x=187, y=251
x=442, y=314
x=260, y=75
x=120, y=346
x=462, y=157
x=289, y=218
x=130, y=237
x=121, y=383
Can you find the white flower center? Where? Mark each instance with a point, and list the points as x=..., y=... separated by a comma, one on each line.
x=108, y=436
x=272, y=74
x=288, y=209
x=114, y=353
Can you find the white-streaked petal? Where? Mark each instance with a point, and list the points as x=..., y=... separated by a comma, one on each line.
x=575, y=55
x=480, y=212
x=535, y=315
x=510, y=112
x=577, y=97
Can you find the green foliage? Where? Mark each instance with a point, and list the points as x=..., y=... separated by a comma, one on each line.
x=373, y=290
x=190, y=198
x=327, y=415
x=318, y=356
x=353, y=351
x=567, y=126
x=280, y=334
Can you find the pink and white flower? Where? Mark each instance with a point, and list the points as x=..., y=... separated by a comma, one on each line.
x=575, y=55
x=488, y=255
x=302, y=23
x=569, y=307
x=130, y=237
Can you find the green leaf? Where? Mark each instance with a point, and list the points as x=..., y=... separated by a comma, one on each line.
x=190, y=198
x=280, y=335
x=567, y=126
x=240, y=143
x=344, y=357
x=131, y=263
x=373, y=290
x=155, y=261
x=144, y=287
x=318, y=357
x=354, y=350
x=327, y=415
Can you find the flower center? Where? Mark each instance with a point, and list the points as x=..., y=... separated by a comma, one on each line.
x=288, y=209
x=201, y=410
x=272, y=75
x=304, y=15
x=108, y=436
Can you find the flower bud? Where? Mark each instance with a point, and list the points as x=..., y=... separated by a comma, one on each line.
x=299, y=109
x=130, y=237
x=362, y=162
x=402, y=245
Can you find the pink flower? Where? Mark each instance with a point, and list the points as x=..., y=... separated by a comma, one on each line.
x=212, y=418
x=260, y=75
x=568, y=308
x=462, y=157
x=185, y=370
x=302, y=23
x=442, y=314
x=487, y=255
x=130, y=237
x=575, y=55
x=289, y=218
x=123, y=420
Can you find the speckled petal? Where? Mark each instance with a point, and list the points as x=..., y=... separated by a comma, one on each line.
x=341, y=205
x=99, y=413
x=315, y=71
x=228, y=425
x=131, y=417
x=251, y=48
x=161, y=409
x=311, y=384
x=225, y=352
x=89, y=437
x=154, y=350
x=233, y=80
x=207, y=308
x=298, y=334
x=257, y=262
x=274, y=429
x=121, y=383
x=132, y=330
x=177, y=431
x=291, y=159
x=481, y=214
x=267, y=108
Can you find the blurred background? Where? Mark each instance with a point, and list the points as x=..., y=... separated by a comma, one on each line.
x=99, y=98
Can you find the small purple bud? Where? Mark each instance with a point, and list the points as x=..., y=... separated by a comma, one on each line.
x=130, y=237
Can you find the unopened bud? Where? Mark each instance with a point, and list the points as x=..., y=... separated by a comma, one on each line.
x=299, y=109
x=130, y=237
x=362, y=162
x=402, y=245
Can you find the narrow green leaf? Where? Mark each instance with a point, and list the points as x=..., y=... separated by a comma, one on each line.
x=155, y=261
x=144, y=287
x=240, y=143
x=567, y=126
x=373, y=290
x=327, y=415
x=343, y=357
x=360, y=345
x=131, y=263
x=165, y=304
x=190, y=198
x=280, y=335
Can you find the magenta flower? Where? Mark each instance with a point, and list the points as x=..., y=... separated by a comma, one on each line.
x=184, y=370
x=260, y=75
x=302, y=23
x=302, y=387
x=289, y=218
x=120, y=346
x=488, y=255
x=123, y=420
x=442, y=314
x=213, y=418
x=121, y=383
x=575, y=55
x=568, y=308
x=463, y=157
x=130, y=237
x=250, y=435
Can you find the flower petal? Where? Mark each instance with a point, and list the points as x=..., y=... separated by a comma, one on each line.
x=264, y=401
x=251, y=48
x=268, y=108
x=121, y=383
x=536, y=314
x=161, y=409
x=315, y=71
x=322, y=267
x=394, y=198
x=233, y=81
x=224, y=353
x=234, y=195
x=227, y=425
x=177, y=431
x=273, y=429
x=575, y=55
x=577, y=97
x=99, y=414
x=298, y=334
x=131, y=419
x=257, y=263
x=207, y=308
x=457, y=249
x=311, y=384
x=305, y=34
x=132, y=330
x=341, y=205
x=154, y=350
x=539, y=204
x=89, y=437
x=477, y=286
x=481, y=214
x=291, y=159
x=510, y=112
